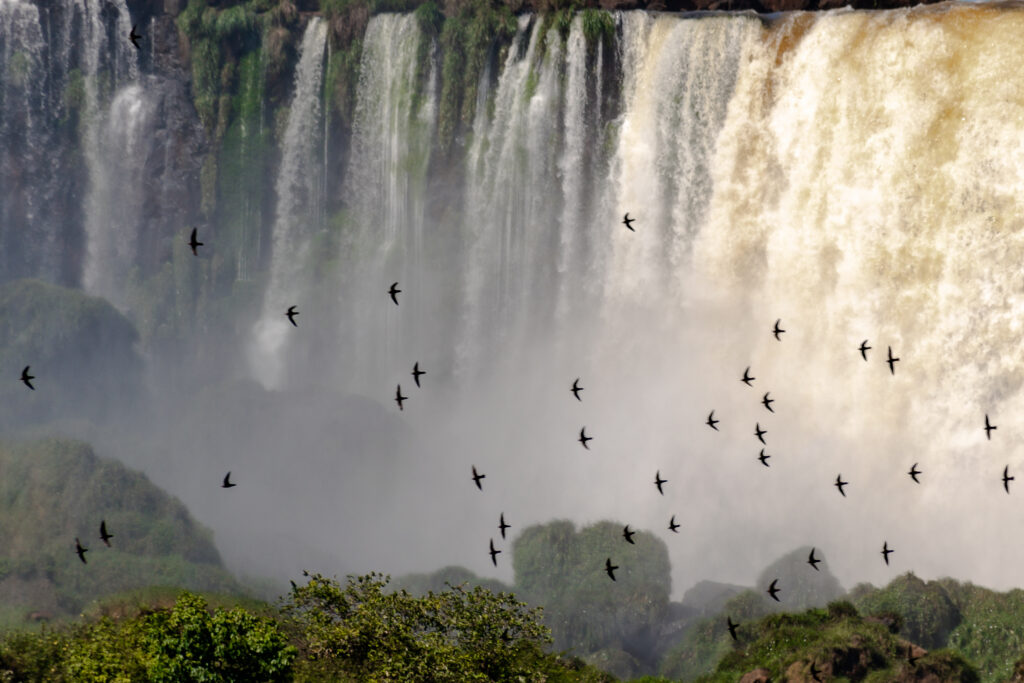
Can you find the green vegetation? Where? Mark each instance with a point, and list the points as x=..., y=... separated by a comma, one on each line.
x=421, y=584
x=56, y=490
x=838, y=641
x=323, y=632
x=802, y=588
x=467, y=39
x=598, y=26
x=81, y=350
x=562, y=569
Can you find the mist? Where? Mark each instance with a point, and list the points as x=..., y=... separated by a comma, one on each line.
x=850, y=173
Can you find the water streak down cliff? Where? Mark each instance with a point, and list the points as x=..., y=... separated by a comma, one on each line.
x=853, y=173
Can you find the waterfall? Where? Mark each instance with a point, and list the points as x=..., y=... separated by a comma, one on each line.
x=385, y=190
x=116, y=144
x=299, y=208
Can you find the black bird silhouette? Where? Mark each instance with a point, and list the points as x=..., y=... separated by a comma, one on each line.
x=747, y=379
x=777, y=331
x=502, y=526
x=864, y=348
x=814, y=673
x=772, y=591
x=764, y=458
x=910, y=656
x=227, y=482
x=759, y=433
x=494, y=554
x=134, y=37
x=394, y=292
x=892, y=362
x=840, y=484
x=914, y=472
x=104, y=536
x=732, y=626
x=610, y=568
x=658, y=481
x=813, y=561
x=81, y=551
x=672, y=526
x=768, y=402
x=576, y=389
x=628, y=222
x=584, y=438
x=193, y=242
x=712, y=421
x=27, y=378
x=989, y=428
x=477, y=478
x=628, y=535
x=886, y=551
x=398, y=397
x=1006, y=478
x=291, y=315
x=416, y=372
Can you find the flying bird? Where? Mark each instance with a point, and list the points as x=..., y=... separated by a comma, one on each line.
x=194, y=242
x=813, y=561
x=712, y=421
x=672, y=526
x=764, y=458
x=814, y=673
x=892, y=362
x=27, y=378
x=628, y=222
x=494, y=554
x=772, y=591
x=864, y=348
x=291, y=315
x=768, y=402
x=576, y=389
x=227, y=482
x=610, y=568
x=886, y=551
x=732, y=626
x=989, y=428
x=398, y=397
x=104, y=536
x=394, y=292
x=584, y=438
x=910, y=656
x=628, y=535
x=416, y=372
x=502, y=526
x=778, y=330
x=914, y=472
x=840, y=484
x=759, y=433
x=477, y=478
x=134, y=37
x=81, y=551
x=658, y=481
x=1006, y=478
x=747, y=379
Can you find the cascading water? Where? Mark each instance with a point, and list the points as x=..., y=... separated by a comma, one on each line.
x=852, y=173
x=117, y=128
x=385, y=188
x=299, y=208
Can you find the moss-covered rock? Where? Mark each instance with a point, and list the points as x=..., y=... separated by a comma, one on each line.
x=927, y=612
x=80, y=348
x=55, y=490
x=839, y=643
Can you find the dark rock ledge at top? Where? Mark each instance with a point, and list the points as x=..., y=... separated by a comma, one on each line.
x=173, y=7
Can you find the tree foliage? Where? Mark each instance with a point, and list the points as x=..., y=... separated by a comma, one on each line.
x=365, y=632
